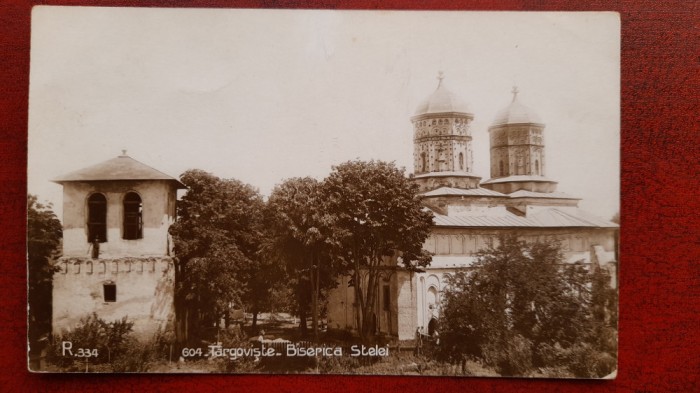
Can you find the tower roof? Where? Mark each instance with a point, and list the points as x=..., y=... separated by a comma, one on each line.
x=442, y=101
x=119, y=168
x=516, y=113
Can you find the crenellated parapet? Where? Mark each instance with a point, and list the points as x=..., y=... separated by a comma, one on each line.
x=111, y=266
x=140, y=288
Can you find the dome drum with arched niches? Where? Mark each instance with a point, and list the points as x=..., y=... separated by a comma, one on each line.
x=443, y=154
x=517, y=150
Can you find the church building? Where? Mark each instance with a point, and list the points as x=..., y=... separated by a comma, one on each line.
x=469, y=213
x=117, y=259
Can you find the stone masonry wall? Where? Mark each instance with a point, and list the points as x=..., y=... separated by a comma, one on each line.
x=144, y=292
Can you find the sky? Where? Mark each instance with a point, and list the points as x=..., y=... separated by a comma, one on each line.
x=265, y=95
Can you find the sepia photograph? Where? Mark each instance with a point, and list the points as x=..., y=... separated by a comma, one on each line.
x=248, y=191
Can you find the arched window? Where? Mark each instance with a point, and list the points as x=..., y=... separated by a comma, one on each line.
x=97, y=218
x=461, y=161
x=432, y=297
x=423, y=163
x=502, y=172
x=132, y=216
x=537, y=167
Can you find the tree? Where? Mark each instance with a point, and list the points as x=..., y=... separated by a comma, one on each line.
x=615, y=218
x=604, y=312
x=376, y=214
x=519, y=298
x=265, y=287
x=299, y=231
x=44, y=233
x=216, y=243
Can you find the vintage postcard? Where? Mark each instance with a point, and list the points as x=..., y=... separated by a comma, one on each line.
x=323, y=192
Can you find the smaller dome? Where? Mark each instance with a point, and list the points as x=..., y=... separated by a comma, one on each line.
x=442, y=101
x=516, y=113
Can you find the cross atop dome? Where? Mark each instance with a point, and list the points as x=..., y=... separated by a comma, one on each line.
x=516, y=112
x=442, y=101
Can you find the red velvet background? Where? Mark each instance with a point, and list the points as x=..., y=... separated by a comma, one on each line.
x=660, y=242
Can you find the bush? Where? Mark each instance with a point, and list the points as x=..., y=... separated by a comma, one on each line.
x=234, y=338
x=110, y=347
x=606, y=339
x=510, y=357
x=584, y=361
x=552, y=372
x=163, y=344
x=548, y=355
x=337, y=365
x=134, y=357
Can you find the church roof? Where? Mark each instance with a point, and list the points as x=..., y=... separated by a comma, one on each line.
x=516, y=113
x=465, y=261
x=443, y=191
x=532, y=194
x=119, y=168
x=449, y=191
x=446, y=174
x=545, y=218
x=442, y=101
x=570, y=218
x=518, y=178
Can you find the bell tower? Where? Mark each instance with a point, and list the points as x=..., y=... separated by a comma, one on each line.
x=116, y=247
x=517, y=151
x=442, y=142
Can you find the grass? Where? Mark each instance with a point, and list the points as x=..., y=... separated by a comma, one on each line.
x=400, y=360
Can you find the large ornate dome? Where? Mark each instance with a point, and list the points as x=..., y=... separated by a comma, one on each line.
x=442, y=101
x=516, y=113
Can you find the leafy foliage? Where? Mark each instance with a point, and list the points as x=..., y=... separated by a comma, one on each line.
x=360, y=216
x=522, y=306
x=298, y=238
x=112, y=342
x=44, y=233
x=376, y=214
x=510, y=357
x=216, y=241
